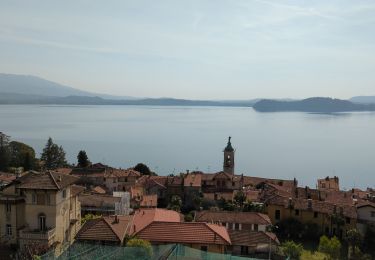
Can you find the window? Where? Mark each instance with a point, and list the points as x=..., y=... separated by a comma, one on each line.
x=126, y=179
x=315, y=214
x=373, y=214
x=236, y=226
x=296, y=212
x=9, y=229
x=48, y=199
x=204, y=248
x=64, y=194
x=244, y=250
x=114, y=180
x=347, y=220
x=277, y=214
x=255, y=227
x=40, y=199
x=33, y=198
x=8, y=207
x=42, y=222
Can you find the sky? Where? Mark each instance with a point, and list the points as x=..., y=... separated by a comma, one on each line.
x=196, y=49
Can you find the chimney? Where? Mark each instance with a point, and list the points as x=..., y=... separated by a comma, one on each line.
x=309, y=204
x=59, y=178
x=290, y=203
x=116, y=219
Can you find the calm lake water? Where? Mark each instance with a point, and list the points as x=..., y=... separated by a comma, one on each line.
x=173, y=139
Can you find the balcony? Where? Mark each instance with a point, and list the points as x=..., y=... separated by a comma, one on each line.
x=46, y=236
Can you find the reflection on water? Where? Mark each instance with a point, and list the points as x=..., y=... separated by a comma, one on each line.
x=280, y=145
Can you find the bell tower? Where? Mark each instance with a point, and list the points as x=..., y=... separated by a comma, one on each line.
x=228, y=166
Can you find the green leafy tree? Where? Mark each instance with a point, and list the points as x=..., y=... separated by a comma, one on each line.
x=330, y=247
x=239, y=199
x=83, y=160
x=4, y=151
x=21, y=155
x=253, y=207
x=143, y=169
x=89, y=217
x=292, y=250
x=354, y=239
x=144, y=249
x=53, y=155
x=189, y=217
x=175, y=203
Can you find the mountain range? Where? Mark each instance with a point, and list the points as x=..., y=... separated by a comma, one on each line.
x=25, y=89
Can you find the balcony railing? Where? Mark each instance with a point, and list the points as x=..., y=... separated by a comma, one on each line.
x=29, y=234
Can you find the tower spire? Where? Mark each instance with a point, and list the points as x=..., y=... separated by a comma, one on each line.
x=228, y=165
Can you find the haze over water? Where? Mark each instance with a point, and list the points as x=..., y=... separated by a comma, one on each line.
x=173, y=139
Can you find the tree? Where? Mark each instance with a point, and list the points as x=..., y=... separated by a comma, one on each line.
x=239, y=199
x=290, y=228
x=89, y=217
x=353, y=237
x=83, y=160
x=143, y=169
x=144, y=249
x=53, y=155
x=175, y=203
x=21, y=155
x=369, y=240
x=330, y=247
x=292, y=250
x=4, y=151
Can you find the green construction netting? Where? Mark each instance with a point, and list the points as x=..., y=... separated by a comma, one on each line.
x=83, y=251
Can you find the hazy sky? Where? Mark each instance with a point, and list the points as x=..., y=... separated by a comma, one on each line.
x=194, y=49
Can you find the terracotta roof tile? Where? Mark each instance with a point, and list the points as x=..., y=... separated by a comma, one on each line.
x=193, y=180
x=232, y=217
x=98, y=200
x=76, y=189
x=46, y=181
x=98, y=190
x=185, y=232
x=251, y=238
x=7, y=177
x=105, y=229
x=144, y=217
x=112, y=172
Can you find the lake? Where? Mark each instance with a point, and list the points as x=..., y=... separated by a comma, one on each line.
x=174, y=139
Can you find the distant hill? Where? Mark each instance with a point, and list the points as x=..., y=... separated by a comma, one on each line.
x=31, y=85
x=22, y=89
x=363, y=99
x=12, y=98
x=315, y=104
